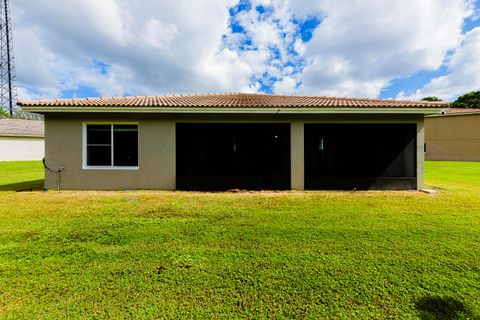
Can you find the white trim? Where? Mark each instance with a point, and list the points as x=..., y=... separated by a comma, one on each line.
x=108, y=168
x=110, y=122
x=84, y=146
x=239, y=110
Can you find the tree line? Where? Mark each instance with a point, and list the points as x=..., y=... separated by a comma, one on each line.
x=469, y=100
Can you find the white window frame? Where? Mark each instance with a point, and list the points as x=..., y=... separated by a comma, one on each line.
x=84, y=147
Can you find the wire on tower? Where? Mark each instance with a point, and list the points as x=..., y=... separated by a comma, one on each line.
x=8, y=90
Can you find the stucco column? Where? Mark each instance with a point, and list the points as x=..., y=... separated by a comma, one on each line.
x=297, y=155
x=420, y=154
x=157, y=154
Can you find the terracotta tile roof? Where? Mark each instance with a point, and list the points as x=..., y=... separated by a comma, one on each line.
x=233, y=100
x=21, y=128
x=463, y=110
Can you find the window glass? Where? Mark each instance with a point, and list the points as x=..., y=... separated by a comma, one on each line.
x=99, y=134
x=99, y=146
x=121, y=152
x=99, y=156
x=125, y=152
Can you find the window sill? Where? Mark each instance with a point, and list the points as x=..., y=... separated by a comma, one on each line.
x=110, y=168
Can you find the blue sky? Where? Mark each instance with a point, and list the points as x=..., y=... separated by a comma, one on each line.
x=304, y=47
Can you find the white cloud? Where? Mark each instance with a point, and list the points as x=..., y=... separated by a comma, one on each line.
x=463, y=75
x=286, y=86
x=162, y=46
x=29, y=95
x=152, y=46
x=360, y=47
x=272, y=34
x=159, y=34
x=31, y=51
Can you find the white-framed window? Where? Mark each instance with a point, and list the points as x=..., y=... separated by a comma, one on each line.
x=110, y=146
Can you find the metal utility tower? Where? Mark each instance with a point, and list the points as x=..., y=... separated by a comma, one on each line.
x=8, y=90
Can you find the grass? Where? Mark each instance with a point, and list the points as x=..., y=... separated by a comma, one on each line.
x=21, y=175
x=337, y=255
x=459, y=177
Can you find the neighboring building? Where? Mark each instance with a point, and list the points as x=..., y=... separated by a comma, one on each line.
x=453, y=135
x=21, y=140
x=234, y=141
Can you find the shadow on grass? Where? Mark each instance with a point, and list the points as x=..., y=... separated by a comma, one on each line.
x=448, y=308
x=23, y=186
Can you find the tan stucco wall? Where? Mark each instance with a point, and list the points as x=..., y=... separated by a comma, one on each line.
x=21, y=148
x=63, y=134
x=453, y=137
x=156, y=157
x=297, y=155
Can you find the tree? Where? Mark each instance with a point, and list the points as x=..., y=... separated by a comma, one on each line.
x=432, y=98
x=3, y=113
x=469, y=100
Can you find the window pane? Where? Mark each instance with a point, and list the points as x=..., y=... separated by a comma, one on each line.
x=99, y=156
x=98, y=134
x=125, y=150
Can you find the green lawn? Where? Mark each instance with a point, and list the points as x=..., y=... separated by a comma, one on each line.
x=19, y=175
x=337, y=255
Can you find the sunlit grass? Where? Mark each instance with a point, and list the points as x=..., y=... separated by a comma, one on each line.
x=338, y=255
x=19, y=175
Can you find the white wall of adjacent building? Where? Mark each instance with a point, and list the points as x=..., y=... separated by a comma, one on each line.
x=21, y=148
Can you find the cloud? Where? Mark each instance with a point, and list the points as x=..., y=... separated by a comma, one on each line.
x=359, y=47
x=31, y=50
x=152, y=47
x=158, y=34
x=319, y=47
x=266, y=32
x=463, y=75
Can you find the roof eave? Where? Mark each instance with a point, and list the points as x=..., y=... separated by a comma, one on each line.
x=453, y=114
x=216, y=110
x=11, y=135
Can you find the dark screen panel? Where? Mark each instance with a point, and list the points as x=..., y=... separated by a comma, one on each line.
x=347, y=156
x=219, y=156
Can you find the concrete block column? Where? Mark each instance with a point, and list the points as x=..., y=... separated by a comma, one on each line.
x=420, y=154
x=297, y=142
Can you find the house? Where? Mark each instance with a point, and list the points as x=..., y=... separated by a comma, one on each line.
x=234, y=141
x=453, y=135
x=21, y=139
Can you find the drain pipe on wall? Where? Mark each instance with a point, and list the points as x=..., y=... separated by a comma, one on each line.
x=58, y=172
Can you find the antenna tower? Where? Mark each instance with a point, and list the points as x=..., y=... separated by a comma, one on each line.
x=8, y=90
